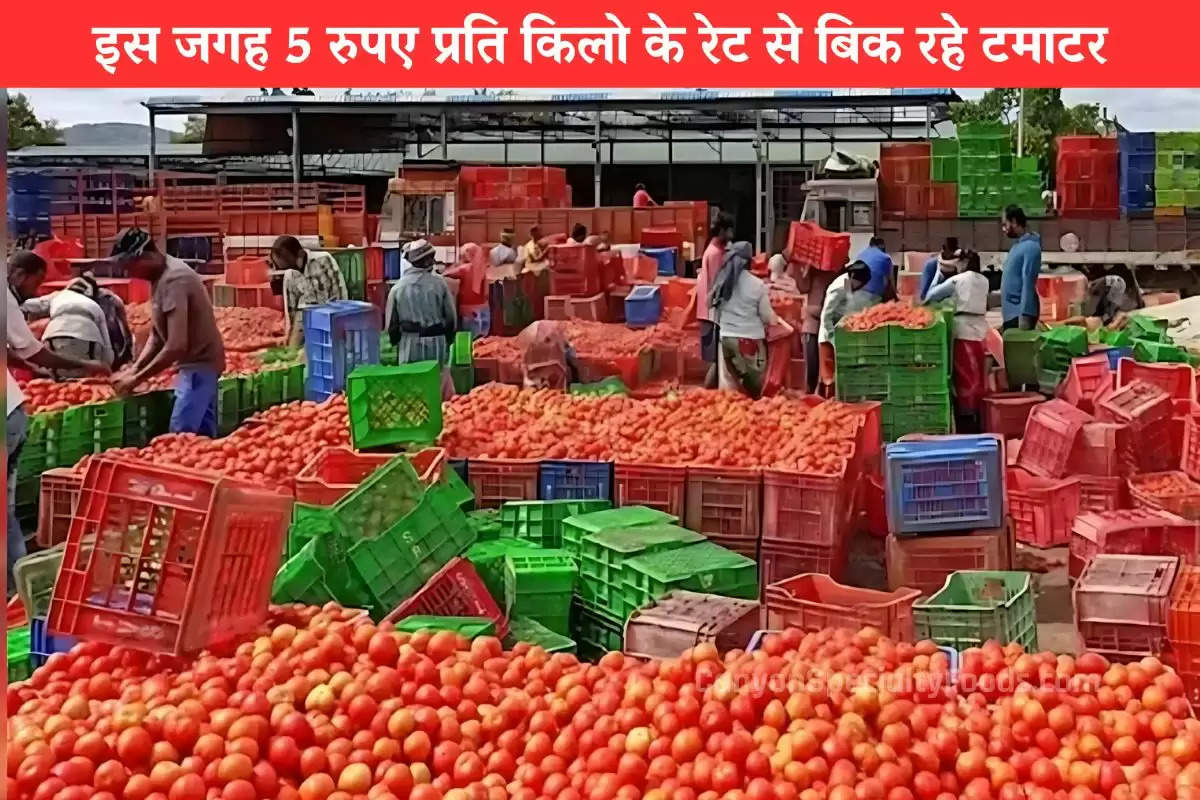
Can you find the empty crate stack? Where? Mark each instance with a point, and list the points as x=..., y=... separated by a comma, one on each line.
x=1176, y=173
x=991, y=177
x=1137, y=165
x=1086, y=177
x=512, y=187
x=1121, y=604
x=904, y=179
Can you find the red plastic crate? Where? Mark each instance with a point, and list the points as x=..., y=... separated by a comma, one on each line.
x=1042, y=509
x=1103, y=448
x=1189, y=462
x=1183, y=621
x=639, y=269
x=1008, y=412
x=807, y=509
x=923, y=562
x=1050, y=437
x=943, y=204
x=778, y=561
x=1138, y=531
x=15, y=615
x=1077, y=142
x=455, y=590
x=659, y=486
x=1122, y=605
x=374, y=262
x=1177, y=380
x=555, y=307
x=724, y=502
x=660, y=237
x=904, y=201
x=895, y=168
x=335, y=472
x=246, y=271
x=167, y=560
x=812, y=602
x=226, y=295
x=1136, y=404
x=875, y=506
x=1102, y=493
x=495, y=481
x=590, y=309
x=1185, y=503
x=59, y=492
x=1085, y=378
x=810, y=245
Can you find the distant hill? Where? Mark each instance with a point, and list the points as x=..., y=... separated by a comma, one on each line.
x=110, y=133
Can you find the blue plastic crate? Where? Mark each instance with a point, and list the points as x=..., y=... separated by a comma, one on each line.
x=1115, y=354
x=43, y=644
x=643, y=306
x=665, y=256
x=575, y=480
x=948, y=484
x=391, y=263
x=338, y=337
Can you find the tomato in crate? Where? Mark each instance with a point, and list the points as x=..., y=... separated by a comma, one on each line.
x=167, y=560
x=1042, y=509
x=1168, y=491
x=336, y=471
x=813, y=602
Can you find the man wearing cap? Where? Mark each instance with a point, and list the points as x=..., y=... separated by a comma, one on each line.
x=310, y=278
x=183, y=333
x=421, y=317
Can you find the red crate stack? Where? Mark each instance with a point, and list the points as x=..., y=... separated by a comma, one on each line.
x=725, y=505
x=1050, y=437
x=1140, y=531
x=1147, y=410
x=904, y=180
x=943, y=200
x=167, y=560
x=1087, y=177
x=1183, y=629
x=573, y=270
x=512, y=187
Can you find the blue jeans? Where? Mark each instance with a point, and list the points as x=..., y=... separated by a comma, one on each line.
x=15, y=431
x=195, y=409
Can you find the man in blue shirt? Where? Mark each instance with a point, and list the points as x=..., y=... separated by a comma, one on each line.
x=880, y=264
x=1018, y=287
x=929, y=270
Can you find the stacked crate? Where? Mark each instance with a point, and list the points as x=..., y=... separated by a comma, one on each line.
x=1137, y=164
x=1183, y=629
x=990, y=177
x=512, y=187
x=1086, y=177
x=1121, y=605
x=1176, y=173
x=904, y=178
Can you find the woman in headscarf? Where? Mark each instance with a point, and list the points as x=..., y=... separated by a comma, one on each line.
x=960, y=281
x=740, y=306
x=420, y=315
x=471, y=273
x=547, y=360
x=77, y=328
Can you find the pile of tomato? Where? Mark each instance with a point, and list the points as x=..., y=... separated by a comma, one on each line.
x=695, y=427
x=329, y=706
x=595, y=340
x=1165, y=484
x=241, y=328
x=894, y=313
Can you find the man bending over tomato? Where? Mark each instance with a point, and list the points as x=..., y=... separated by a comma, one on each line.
x=183, y=332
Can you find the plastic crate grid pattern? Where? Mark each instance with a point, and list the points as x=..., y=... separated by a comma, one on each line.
x=338, y=337
x=604, y=557
x=594, y=633
x=91, y=428
x=1185, y=502
x=40, y=451
x=944, y=485
x=58, y=494
x=812, y=602
x=575, y=528
x=488, y=559
x=1043, y=509
x=457, y=591
x=1049, y=438
x=725, y=503
x=1129, y=589
x=701, y=567
x=1183, y=627
x=575, y=480
x=538, y=584
x=925, y=562
x=541, y=521
x=657, y=486
x=973, y=607
x=395, y=405
x=497, y=481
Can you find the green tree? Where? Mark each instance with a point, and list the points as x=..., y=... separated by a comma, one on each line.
x=193, y=131
x=24, y=127
x=1046, y=118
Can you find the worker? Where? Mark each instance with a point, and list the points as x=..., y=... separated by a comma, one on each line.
x=929, y=270
x=642, y=198
x=778, y=276
x=77, y=327
x=579, y=233
x=960, y=281
x=533, y=252
x=474, y=314
x=598, y=241
x=740, y=307
x=503, y=253
x=845, y=295
x=310, y=278
x=1107, y=303
x=1020, y=306
x=183, y=333
x=720, y=234
x=117, y=321
x=876, y=258
x=547, y=360
x=26, y=271
x=421, y=317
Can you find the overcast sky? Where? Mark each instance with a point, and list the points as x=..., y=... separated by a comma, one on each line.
x=1137, y=109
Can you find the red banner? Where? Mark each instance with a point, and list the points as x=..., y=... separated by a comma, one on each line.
x=856, y=43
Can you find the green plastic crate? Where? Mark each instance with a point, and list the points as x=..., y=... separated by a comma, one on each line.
x=944, y=146
x=485, y=523
x=41, y=449
x=20, y=660
x=917, y=385
x=575, y=528
x=470, y=627
x=91, y=428
x=1112, y=338
x=900, y=421
x=301, y=579
x=1071, y=339
x=974, y=606
x=1021, y=356
x=146, y=416
x=461, y=354
x=1027, y=165
x=858, y=384
x=611, y=385
x=395, y=405
x=603, y=559
x=526, y=629
x=456, y=488
x=229, y=404
x=308, y=522
x=293, y=383
x=1049, y=380
x=984, y=137
x=538, y=584
x=596, y=634
x=1167, y=198
x=353, y=263
x=861, y=348
x=925, y=347
x=488, y=559
x=248, y=399
x=1158, y=352
x=1147, y=328
x=463, y=378
x=376, y=504
x=270, y=388
x=541, y=521
x=944, y=169
x=702, y=567
x=34, y=576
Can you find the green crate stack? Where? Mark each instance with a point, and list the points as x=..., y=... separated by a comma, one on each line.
x=859, y=384
x=470, y=627
x=146, y=416
x=270, y=388
x=249, y=386
x=575, y=528
x=916, y=386
x=538, y=584
x=990, y=177
x=353, y=263
x=488, y=559
x=525, y=629
x=595, y=634
x=944, y=164
x=1148, y=329
x=1177, y=169
x=604, y=558
x=933, y=418
x=395, y=405
x=541, y=521
x=974, y=606
x=919, y=347
x=462, y=363
x=91, y=428
x=1158, y=352
x=229, y=404
x=702, y=567
x=861, y=348
x=41, y=449
x=20, y=660
x=1059, y=345
x=484, y=523
x=293, y=383
x=918, y=399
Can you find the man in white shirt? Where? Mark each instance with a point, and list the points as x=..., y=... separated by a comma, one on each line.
x=26, y=271
x=961, y=282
